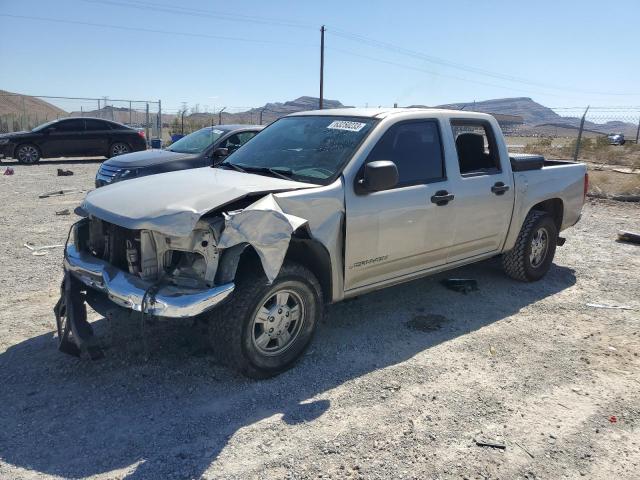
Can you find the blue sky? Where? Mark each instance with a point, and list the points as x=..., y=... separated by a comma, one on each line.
x=244, y=53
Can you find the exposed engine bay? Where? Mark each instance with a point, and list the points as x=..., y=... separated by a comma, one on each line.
x=189, y=262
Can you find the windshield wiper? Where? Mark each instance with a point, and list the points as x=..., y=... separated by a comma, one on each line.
x=232, y=165
x=284, y=173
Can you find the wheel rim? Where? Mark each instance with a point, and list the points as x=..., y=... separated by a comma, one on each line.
x=539, y=247
x=119, y=149
x=28, y=154
x=277, y=322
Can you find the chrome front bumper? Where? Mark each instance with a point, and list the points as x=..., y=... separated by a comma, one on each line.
x=128, y=291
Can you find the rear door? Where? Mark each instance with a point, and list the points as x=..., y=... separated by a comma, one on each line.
x=65, y=138
x=96, y=137
x=400, y=231
x=483, y=189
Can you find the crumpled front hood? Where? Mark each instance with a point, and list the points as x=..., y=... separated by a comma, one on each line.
x=172, y=203
x=146, y=158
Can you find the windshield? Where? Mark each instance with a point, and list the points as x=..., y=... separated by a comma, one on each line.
x=307, y=148
x=197, y=142
x=43, y=126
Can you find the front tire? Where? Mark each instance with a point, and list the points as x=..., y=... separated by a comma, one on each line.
x=264, y=329
x=27, y=154
x=531, y=257
x=118, y=148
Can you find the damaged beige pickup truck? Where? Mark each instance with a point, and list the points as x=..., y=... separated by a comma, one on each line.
x=319, y=207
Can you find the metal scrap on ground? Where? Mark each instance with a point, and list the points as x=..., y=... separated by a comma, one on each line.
x=630, y=237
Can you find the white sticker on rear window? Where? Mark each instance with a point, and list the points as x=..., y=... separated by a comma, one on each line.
x=216, y=131
x=344, y=125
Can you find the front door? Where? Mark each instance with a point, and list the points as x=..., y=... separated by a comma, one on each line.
x=64, y=138
x=400, y=231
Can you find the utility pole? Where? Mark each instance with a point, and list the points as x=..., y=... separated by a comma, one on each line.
x=322, y=29
x=638, y=131
x=220, y=115
x=261, y=112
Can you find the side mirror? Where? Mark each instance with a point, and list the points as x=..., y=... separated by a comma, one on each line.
x=220, y=152
x=379, y=175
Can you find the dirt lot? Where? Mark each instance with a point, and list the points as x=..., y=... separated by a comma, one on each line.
x=531, y=366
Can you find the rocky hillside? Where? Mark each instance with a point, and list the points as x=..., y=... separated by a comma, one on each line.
x=532, y=112
x=15, y=104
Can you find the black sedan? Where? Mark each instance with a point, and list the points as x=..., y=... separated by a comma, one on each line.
x=205, y=147
x=72, y=137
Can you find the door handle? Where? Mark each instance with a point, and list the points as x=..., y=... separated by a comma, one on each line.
x=499, y=188
x=442, y=197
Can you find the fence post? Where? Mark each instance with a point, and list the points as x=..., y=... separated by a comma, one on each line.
x=638, y=131
x=146, y=123
x=577, y=152
x=24, y=114
x=160, y=120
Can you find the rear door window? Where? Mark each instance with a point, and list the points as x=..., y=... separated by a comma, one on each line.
x=93, y=125
x=416, y=149
x=70, y=126
x=476, y=147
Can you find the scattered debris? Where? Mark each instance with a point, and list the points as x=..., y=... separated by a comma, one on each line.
x=630, y=237
x=64, y=173
x=462, y=285
x=610, y=307
x=613, y=419
x=525, y=450
x=9, y=171
x=39, y=251
x=491, y=443
x=426, y=323
x=564, y=406
x=492, y=350
x=57, y=193
x=63, y=212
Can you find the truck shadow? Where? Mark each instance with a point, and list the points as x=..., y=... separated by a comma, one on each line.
x=58, y=161
x=173, y=415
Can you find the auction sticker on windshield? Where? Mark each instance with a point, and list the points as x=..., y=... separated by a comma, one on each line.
x=345, y=125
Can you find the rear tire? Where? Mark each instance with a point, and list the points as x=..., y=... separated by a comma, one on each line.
x=531, y=257
x=27, y=154
x=264, y=329
x=118, y=148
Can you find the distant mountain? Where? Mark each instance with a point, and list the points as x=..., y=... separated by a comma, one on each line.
x=531, y=112
x=270, y=111
x=17, y=105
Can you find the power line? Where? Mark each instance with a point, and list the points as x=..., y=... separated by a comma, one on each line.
x=197, y=12
x=444, y=75
x=152, y=30
x=440, y=61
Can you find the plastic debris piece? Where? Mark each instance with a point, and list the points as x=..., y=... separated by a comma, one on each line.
x=610, y=307
x=57, y=193
x=63, y=212
x=33, y=248
x=64, y=173
x=9, y=171
x=462, y=285
x=491, y=443
x=613, y=419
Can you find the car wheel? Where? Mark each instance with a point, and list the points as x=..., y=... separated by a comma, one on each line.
x=264, y=329
x=531, y=257
x=27, y=154
x=118, y=148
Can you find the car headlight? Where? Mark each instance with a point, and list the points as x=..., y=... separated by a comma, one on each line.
x=4, y=141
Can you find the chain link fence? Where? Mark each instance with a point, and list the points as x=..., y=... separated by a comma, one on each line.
x=24, y=112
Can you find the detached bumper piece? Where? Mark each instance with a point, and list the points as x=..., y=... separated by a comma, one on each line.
x=133, y=293
x=75, y=335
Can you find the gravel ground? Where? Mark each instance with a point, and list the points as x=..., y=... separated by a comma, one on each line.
x=397, y=384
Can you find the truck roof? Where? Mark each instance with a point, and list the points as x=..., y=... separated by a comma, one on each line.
x=385, y=112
